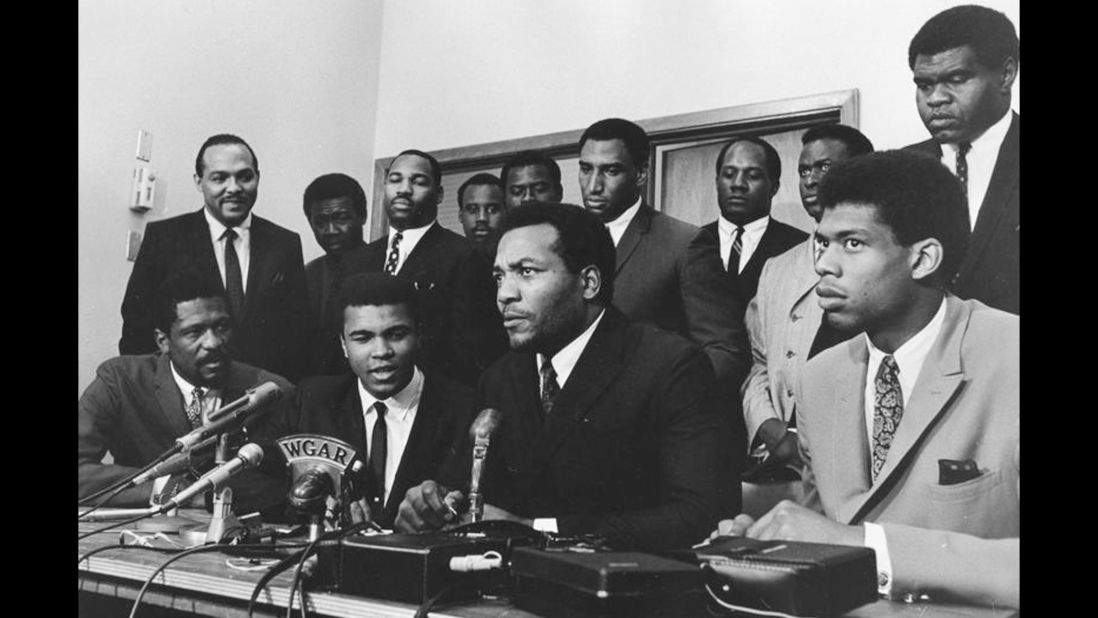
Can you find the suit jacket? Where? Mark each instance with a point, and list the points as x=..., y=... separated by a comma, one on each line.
x=322, y=280
x=331, y=406
x=777, y=239
x=134, y=409
x=443, y=269
x=270, y=334
x=669, y=274
x=952, y=542
x=636, y=448
x=781, y=323
x=991, y=269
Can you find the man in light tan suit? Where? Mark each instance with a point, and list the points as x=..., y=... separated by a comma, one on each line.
x=910, y=432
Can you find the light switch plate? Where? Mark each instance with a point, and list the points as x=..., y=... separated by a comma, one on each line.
x=144, y=145
x=133, y=244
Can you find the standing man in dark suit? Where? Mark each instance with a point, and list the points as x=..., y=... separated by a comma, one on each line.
x=335, y=206
x=256, y=262
x=439, y=263
x=608, y=427
x=138, y=405
x=668, y=272
x=749, y=172
x=964, y=61
x=405, y=421
x=529, y=176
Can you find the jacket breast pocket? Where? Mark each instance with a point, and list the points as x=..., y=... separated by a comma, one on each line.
x=984, y=506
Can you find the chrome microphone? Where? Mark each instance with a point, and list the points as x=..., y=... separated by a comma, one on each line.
x=254, y=399
x=248, y=456
x=482, y=430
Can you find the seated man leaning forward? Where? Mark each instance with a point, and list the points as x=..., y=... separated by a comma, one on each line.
x=910, y=432
x=139, y=404
x=608, y=427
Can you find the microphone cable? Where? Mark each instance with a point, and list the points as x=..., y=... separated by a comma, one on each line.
x=124, y=522
x=103, y=503
x=124, y=482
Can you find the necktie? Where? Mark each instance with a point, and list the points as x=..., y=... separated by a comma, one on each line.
x=549, y=386
x=378, y=452
x=734, y=254
x=888, y=407
x=394, y=254
x=962, y=169
x=234, y=282
x=194, y=409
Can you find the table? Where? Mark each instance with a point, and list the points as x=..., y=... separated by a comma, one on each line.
x=202, y=584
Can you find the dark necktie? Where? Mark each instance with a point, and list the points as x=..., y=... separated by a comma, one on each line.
x=962, y=170
x=394, y=254
x=827, y=336
x=734, y=254
x=234, y=282
x=888, y=407
x=194, y=409
x=549, y=386
x=378, y=452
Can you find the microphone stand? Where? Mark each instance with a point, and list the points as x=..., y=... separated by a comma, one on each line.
x=223, y=518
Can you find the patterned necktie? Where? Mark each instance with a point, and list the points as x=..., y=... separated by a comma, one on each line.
x=549, y=386
x=394, y=254
x=379, y=447
x=888, y=407
x=234, y=282
x=194, y=409
x=962, y=170
x=734, y=254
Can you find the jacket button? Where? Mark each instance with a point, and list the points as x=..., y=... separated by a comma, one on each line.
x=788, y=392
x=795, y=317
x=790, y=353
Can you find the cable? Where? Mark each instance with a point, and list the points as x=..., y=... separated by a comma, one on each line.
x=125, y=482
x=101, y=503
x=114, y=525
x=425, y=608
x=746, y=610
x=104, y=548
x=297, y=583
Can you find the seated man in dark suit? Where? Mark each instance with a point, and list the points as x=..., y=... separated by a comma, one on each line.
x=749, y=172
x=531, y=176
x=439, y=263
x=335, y=206
x=910, y=433
x=257, y=264
x=138, y=405
x=608, y=427
x=404, y=420
x=964, y=61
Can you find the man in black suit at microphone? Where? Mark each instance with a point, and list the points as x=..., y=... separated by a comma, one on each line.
x=138, y=405
x=402, y=419
x=607, y=426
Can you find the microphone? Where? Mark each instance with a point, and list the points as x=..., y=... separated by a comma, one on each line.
x=248, y=456
x=254, y=399
x=485, y=425
x=176, y=463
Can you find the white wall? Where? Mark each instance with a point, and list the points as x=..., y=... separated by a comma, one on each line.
x=297, y=80
x=461, y=73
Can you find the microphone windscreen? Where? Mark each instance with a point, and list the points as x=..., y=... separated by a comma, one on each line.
x=265, y=393
x=251, y=454
x=486, y=423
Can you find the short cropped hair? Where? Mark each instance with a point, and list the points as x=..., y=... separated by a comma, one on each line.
x=378, y=289
x=526, y=158
x=181, y=287
x=773, y=159
x=436, y=169
x=333, y=186
x=914, y=195
x=855, y=141
x=635, y=138
x=477, y=180
x=583, y=240
x=989, y=33
x=222, y=139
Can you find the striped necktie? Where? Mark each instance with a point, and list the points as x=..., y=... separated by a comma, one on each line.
x=737, y=248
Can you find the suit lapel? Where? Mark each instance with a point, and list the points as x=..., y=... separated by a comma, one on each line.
x=422, y=250
x=200, y=239
x=419, y=443
x=261, y=263
x=850, y=461
x=634, y=232
x=169, y=398
x=1004, y=180
x=939, y=379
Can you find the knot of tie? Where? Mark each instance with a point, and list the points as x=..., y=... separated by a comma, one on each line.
x=194, y=409
x=394, y=254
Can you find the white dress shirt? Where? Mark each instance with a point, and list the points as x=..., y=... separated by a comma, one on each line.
x=909, y=359
x=617, y=226
x=400, y=415
x=211, y=400
x=408, y=241
x=752, y=234
x=242, y=244
x=981, y=160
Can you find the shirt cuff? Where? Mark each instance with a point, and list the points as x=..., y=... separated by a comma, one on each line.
x=875, y=540
x=546, y=524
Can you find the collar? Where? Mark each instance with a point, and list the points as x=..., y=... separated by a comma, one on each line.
x=910, y=356
x=410, y=236
x=565, y=360
x=399, y=405
x=758, y=226
x=187, y=388
x=218, y=228
x=617, y=227
x=989, y=142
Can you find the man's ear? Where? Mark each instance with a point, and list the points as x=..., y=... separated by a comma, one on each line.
x=197, y=182
x=343, y=344
x=592, y=282
x=162, y=341
x=777, y=184
x=642, y=175
x=926, y=258
x=1008, y=75
x=438, y=200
